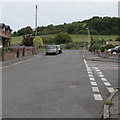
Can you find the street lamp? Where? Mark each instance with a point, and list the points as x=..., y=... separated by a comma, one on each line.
x=89, y=38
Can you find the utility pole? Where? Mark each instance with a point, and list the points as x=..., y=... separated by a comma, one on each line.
x=36, y=22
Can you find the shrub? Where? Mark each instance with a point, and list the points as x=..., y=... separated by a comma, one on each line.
x=74, y=45
x=107, y=46
x=49, y=40
x=117, y=39
x=38, y=41
x=63, y=38
x=94, y=46
x=27, y=40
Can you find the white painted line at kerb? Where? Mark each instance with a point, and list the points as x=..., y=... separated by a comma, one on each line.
x=97, y=97
x=19, y=62
x=91, y=78
x=107, y=83
x=103, y=79
x=93, y=83
x=110, y=89
x=95, y=89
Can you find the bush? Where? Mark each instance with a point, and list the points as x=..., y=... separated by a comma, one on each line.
x=74, y=45
x=118, y=39
x=27, y=40
x=107, y=46
x=38, y=41
x=49, y=40
x=94, y=46
x=63, y=38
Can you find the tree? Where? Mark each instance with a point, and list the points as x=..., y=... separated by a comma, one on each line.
x=63, y=38
x=27, y=40
x=24, y=31
x=38, y=41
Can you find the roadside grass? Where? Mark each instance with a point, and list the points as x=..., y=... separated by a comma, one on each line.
x=16, y=40
x=76, y=38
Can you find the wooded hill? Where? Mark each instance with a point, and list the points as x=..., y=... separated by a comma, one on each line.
x=97, y=26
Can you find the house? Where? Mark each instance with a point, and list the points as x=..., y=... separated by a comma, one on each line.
x=5, y=35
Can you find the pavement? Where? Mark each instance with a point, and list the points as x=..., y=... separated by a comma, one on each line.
x=95, y=57
x=111, y=105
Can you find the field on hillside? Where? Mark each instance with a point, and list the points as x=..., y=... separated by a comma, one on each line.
x=76, y=38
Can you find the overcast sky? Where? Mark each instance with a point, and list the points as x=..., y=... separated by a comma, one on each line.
x=22, y=14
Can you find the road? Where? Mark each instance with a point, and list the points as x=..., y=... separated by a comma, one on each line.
x=55, y=86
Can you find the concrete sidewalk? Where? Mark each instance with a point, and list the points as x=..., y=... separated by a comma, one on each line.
x=112, y=107
x=95, y=57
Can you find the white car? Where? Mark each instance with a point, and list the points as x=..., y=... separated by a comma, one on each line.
x=52, y=49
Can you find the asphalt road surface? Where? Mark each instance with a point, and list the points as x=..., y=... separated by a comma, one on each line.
x=56, y=86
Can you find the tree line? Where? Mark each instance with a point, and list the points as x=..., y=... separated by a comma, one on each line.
x=97, y=26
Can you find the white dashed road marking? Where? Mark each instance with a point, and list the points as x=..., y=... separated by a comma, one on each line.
x=97, y=97
x=92, y=78
x=103, y=79
x=89, y=72
x=110, y=89
x=93, y=83
x=107, y=83
x=101, y=75
x=90, y=75
x=98, y=70
x=95, y=89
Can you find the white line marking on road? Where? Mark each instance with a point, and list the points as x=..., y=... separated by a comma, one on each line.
x=88, y=68
x=101, y=75
x=93, y=83
x=19, y=62
x=110, y=89
x=97, y=97
x=91, y=78
x=98, y=70
x=103, y=79
x=90, y=75
x=89, y=72
x=107, y=83
x=95, y=89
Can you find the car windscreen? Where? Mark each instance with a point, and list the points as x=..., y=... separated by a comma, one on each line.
x=51, y=47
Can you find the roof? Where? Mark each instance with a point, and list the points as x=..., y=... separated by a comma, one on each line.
x=7, y=27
